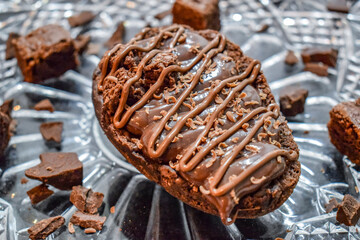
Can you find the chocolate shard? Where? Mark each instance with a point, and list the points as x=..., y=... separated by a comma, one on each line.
x=291, y=58
x=61, y=170
x=292, y=100
x=198, y=14
x=86, y=200
x=338, y=6
x=117, y=36
x=348, y=211
x=44, y=105
x=44, y=53
x=10, y=50
x=331, y=205
x=327, y=56
x=86, y=220
x=81, y=42
x=39, y=193
x=81, y=19
x=45, y=227
x=52, y=131
x=317, y=68
x=5, y=125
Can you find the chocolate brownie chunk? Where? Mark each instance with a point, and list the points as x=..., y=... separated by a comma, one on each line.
x=86, y=220
x=44, y=53
x=39, y=193
x=51, y=132
x=338, y=6
x=348, y=211
x=198, y=14
x=81, y=42
x=86, y=200
x=291, y=58
x=45, y=227
x=44, y=105
x=81, y=19
x=327, y=56
x=117, y=36
x=10, y=50
x=292, y=100
x=61, y=170
x=5, y=125
x=344, y=129
x=317, y=68
x=194, y=114
x=331, y=205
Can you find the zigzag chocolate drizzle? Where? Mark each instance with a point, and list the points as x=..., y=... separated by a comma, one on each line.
x=218, y=186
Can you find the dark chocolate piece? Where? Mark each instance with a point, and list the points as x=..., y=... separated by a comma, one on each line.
x=52, y=131
x=331, y=205
x=85, y=199
x=317, y=68
x=292, y=100
x=348, y=211
x=5, y=125
x=291, y=58
x=45, y=227
x=10, y=50
x=198, y=14
x=61, y=170
x=81, y=19
x=193, y=110
x=344, y=129
x=327, y=56
x=44, y=105
x=39, y=193
x=338, y=6
x=45, y=52
x=117, y=36
x=86, y=220
x=81, y=42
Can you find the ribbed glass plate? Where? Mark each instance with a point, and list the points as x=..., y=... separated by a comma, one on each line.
x=144, y=210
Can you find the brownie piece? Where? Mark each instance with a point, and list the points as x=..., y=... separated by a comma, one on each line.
x=51, y=132
x=117, y=36
x=327, y=56
x=198, y=14
x=10, y=50
x=317, y=68
x=87, y=220
x=39, y=193
x=85, y=199
x=81, y=18
x=291, y=58
x=344, y=129
x=338, y=6
x=61, y=170
x=46, y=52
x=5, y=125
x=44, y=105
x=45, y=227
x=81, y=42
x=165, y=120
x=348, y=211
x=292, y=100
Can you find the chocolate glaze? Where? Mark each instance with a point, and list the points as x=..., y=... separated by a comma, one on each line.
x=210, y=124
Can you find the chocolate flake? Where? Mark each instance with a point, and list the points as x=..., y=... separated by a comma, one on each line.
x=51, y=131
x=81, y=42
x=90, y=230
x=45, y=227
x=44, y=105
x=291, y=58
x=85, y=199
x=24, y=180
x=332, y=204
x=39, y=193
x=86, y=220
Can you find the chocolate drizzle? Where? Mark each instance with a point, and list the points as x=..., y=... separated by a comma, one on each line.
x=225, y=162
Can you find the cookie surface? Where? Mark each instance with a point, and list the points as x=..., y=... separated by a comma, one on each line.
x=195, y=115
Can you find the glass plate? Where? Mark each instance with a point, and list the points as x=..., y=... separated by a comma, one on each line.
x=144, y=210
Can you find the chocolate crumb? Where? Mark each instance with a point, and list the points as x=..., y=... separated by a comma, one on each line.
x=292, y=100
x=317, y=68
x=348, y=211
x=45, y=227
x=117, y=36
x=332, y=204
x=338, y=6
x=81, y=42
x=39, y=193
x=10, y=49
x=85, y=199
x=44, y=105
x=306, y=132
x=112, y=209
x=163, y=14
x=81, y=18
x=291, y=58
x=24, y=180
x=262, y=28
x=52, y=131
x=86, y=220
x=90, y=230
x=327, y=56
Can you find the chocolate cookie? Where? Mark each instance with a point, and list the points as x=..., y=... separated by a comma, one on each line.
x=191, y=112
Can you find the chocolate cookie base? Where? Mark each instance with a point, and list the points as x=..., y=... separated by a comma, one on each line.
x=266, y=199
